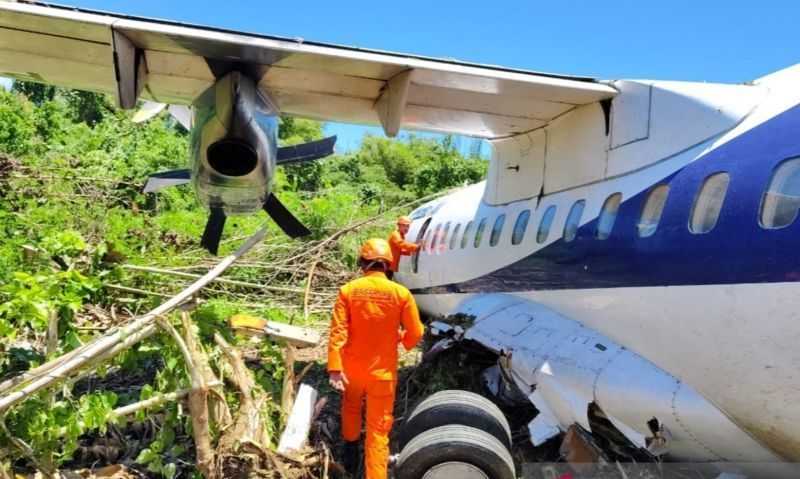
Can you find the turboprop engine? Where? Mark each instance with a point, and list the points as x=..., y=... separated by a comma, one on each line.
x=234, y=146
x=234, y=156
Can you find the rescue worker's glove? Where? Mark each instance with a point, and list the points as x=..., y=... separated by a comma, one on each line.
x=338, y=380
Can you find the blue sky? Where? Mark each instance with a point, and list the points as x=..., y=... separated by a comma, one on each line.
x=727, y=41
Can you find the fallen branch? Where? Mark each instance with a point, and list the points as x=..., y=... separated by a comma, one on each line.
x=128, y=289
x=198, y=396
x=232, y=282
x=308, y=288
x=359, y=224
x=153, y=402
x=248, y=430
x=105, y=343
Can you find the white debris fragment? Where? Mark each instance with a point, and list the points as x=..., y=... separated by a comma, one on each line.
x=295, y=435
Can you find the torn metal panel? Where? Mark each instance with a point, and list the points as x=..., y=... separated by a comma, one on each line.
x=580, y=451
x=545, y=425
x=567, y=391
x=568, y=367
x=438, y=348
x=502, y=388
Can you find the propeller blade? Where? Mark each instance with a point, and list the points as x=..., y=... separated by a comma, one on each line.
x=285, y=219
x=312, y=150
x=148, y=110
x=164, y=179
x=213, y=232
x=182, y=114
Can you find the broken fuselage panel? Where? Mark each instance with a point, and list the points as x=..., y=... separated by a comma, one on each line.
x=563, y=368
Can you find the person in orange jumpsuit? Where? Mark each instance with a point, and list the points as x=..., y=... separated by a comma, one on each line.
x=371, y=317
x=398, y=243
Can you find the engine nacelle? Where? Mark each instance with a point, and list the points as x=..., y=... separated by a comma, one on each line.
x=234, y=145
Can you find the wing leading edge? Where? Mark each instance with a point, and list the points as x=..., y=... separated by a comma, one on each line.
x=173, y=63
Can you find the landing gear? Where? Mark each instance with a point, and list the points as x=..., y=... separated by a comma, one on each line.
x=455, y=451
x=456, y=407
x=455, y=434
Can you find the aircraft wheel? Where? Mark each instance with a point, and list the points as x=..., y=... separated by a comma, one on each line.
x=455, y=451
x=454, y=407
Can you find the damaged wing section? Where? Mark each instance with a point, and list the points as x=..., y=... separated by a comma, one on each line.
x=573, y=375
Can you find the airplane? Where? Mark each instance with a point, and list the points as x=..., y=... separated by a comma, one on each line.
x=629, y=260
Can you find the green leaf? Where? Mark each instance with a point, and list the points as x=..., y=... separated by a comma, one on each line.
x=169, y=470
x=146, y=456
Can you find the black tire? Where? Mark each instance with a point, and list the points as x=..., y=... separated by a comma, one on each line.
x=449, y=450
x=455, y=407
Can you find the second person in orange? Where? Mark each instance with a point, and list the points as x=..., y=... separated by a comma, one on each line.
x=398, y=243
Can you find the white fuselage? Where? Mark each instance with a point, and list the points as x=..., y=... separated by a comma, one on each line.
x=718, y=309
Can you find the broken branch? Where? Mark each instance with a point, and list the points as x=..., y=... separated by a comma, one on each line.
x=105, y=343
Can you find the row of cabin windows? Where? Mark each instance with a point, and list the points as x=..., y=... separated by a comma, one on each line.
x=779, y=208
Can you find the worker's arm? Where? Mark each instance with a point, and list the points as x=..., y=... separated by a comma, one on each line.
x=338, y=333
x=402, y=245
x=412, y=326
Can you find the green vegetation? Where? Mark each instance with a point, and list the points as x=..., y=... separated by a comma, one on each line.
x=72, y=217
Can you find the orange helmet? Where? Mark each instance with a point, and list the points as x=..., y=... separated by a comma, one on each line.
x=376, y=249
x=403, y=220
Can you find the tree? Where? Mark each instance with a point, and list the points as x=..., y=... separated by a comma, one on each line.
x=38, y=93
x=17, y=127
x=82, y=106
x=87, y=107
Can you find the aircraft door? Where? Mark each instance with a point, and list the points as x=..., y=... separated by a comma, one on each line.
x=421, y=238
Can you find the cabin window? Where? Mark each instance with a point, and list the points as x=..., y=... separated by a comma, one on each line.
x=454, y=237
x=652, y=210
x=608, y=216
x=434, y=237
x=520, y=226
x=544, y=226
x=421, y=241
x=443, y=242
x=497, y=230
x=782, y=199
x=708, y=204
x=467, y=233
x=479, y=233
x=573, y=220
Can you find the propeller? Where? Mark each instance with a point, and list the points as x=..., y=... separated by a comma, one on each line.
x=313, y=150
x=149, y=109
x=215, y=225
x=213, y=231
x=284, y=218
x=165, y=179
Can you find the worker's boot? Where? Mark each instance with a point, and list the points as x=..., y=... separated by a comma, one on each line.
x=350, y=458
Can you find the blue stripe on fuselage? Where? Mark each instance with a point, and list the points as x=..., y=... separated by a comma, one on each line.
x=737, y=250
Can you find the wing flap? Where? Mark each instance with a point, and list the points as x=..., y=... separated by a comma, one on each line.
x=308, y=79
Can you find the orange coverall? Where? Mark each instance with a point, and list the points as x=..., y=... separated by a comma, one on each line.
x=365, y=332
x=399, y=247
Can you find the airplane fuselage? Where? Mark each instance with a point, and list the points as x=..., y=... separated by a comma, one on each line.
x=688, y=259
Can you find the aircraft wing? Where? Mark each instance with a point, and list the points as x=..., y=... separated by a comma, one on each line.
x=174, y=63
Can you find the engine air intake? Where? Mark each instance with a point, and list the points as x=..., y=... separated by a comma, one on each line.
x=232, y=157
